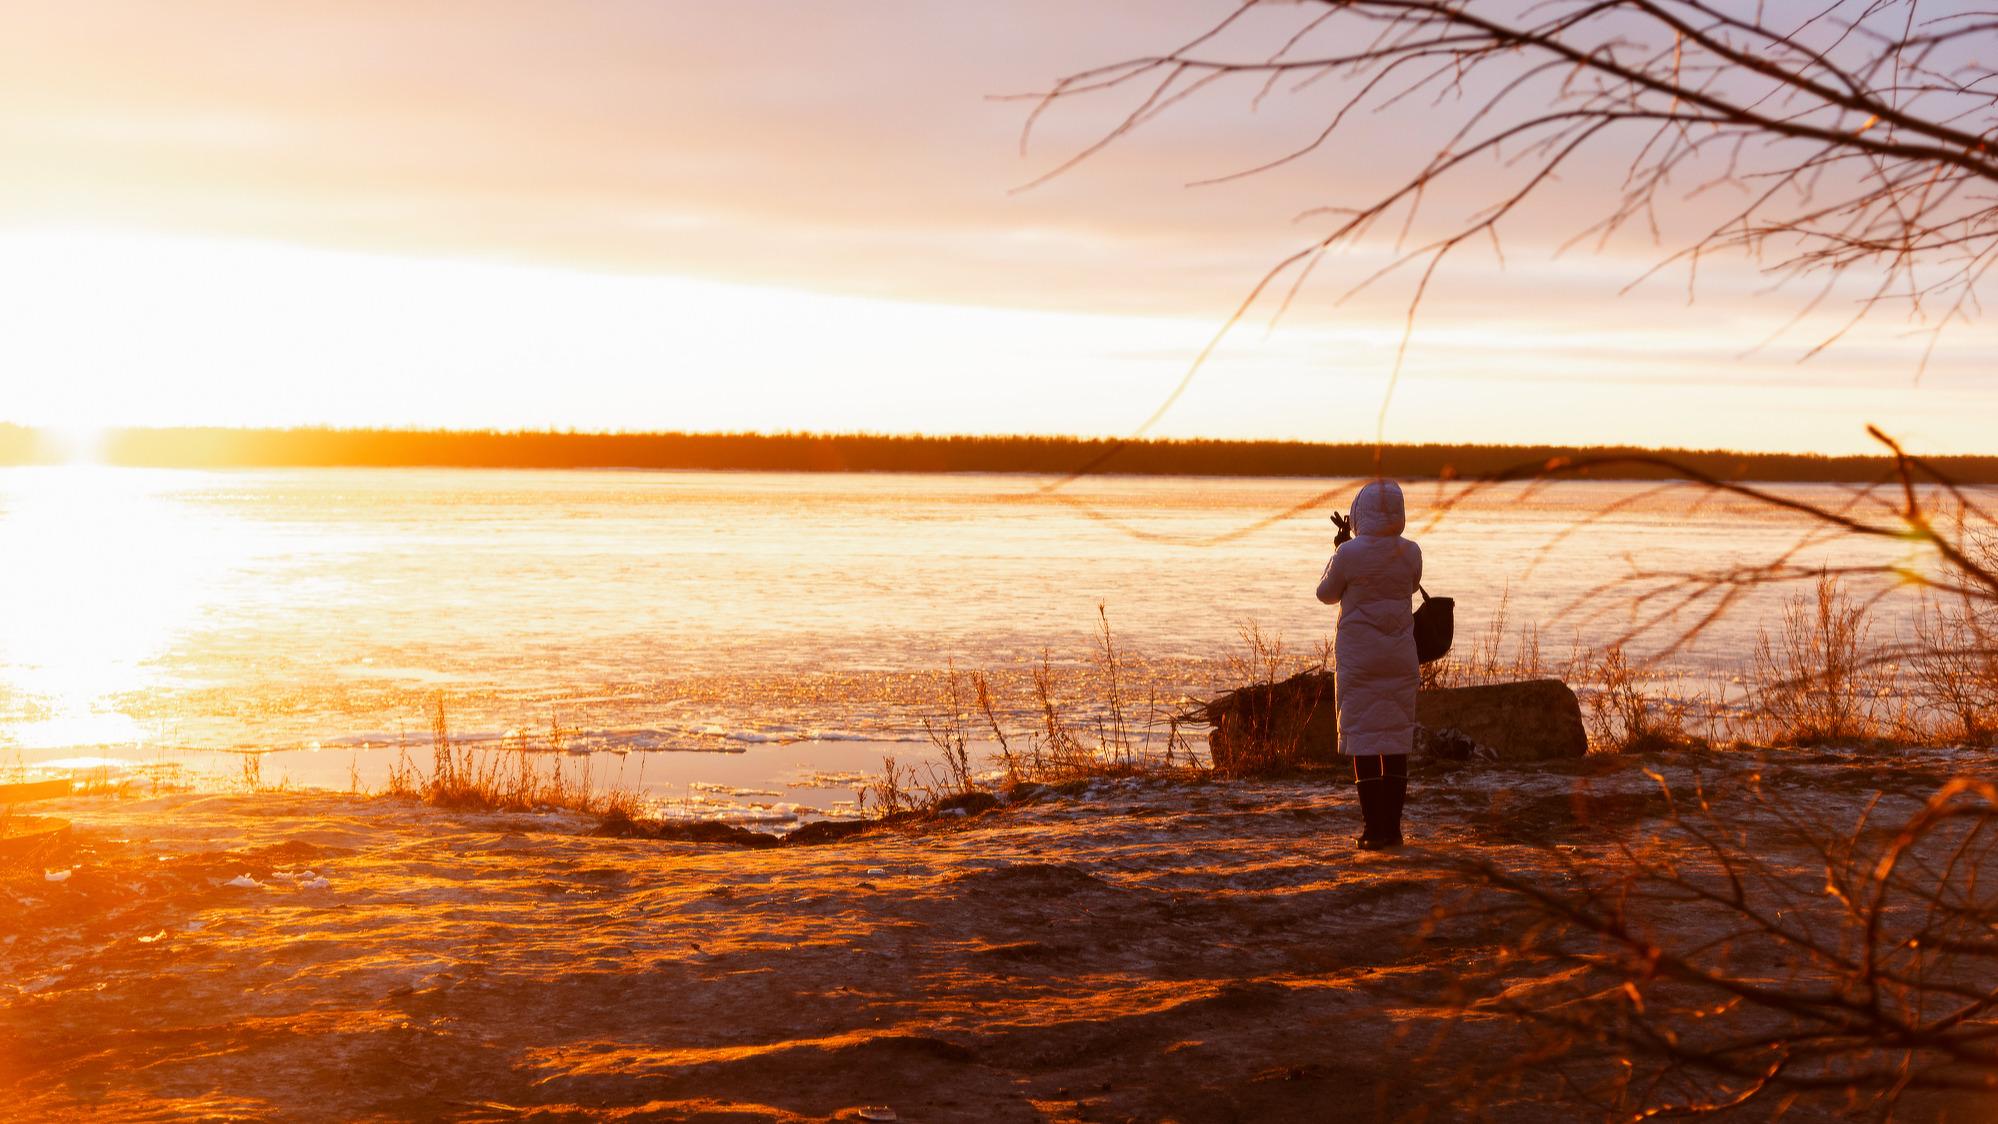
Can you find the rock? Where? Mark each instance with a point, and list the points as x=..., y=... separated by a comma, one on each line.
x=26, y=791
x=968, y=803
x=826, y=831
x=707, y=831
x=1451, y=744
x=1267, y=727
x=24, y=838
x=1271, y=726
x=1533, y=720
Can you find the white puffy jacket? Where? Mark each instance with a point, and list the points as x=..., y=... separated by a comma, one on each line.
x=1371, y=579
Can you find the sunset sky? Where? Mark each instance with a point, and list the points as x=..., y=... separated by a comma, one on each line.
x=800, y=215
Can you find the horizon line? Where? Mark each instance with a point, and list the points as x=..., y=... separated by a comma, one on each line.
x=215, y=447
x=18, y=430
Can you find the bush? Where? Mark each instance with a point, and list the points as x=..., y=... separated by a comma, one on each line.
x=1816, y=682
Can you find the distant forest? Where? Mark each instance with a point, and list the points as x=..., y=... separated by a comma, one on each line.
x=855, y=452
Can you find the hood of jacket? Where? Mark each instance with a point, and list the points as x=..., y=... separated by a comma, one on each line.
x=1378, y=510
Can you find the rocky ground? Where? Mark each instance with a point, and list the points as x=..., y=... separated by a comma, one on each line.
x=1130, y=950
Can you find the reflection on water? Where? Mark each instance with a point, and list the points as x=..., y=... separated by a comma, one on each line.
x=152, y=612
x=103, y=571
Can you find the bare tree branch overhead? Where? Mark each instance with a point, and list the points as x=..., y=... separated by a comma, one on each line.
x=1847, y=143
x=1846, y=150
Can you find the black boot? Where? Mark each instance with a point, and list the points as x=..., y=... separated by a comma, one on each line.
x=1394, y=792
x=1373, y=797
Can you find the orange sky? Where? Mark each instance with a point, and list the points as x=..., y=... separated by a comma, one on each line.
x=794, y=215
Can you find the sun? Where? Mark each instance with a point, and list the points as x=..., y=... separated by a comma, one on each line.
x=73, y=444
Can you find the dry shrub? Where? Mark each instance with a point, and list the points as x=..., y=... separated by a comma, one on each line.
x=1954, y=662
x=1062, y=749
x=1113, y=731
x=513, y=778
x=443, y=766
x=891, y=792
x=950, y=733
x=1054, y=751
x=1703, y=971
x=1261, y=657
x=1072, y=737
x=1819, y=679
x=989, y=710
x=1486, y=660
x=1620, y=716
x=402, y=776
x=1817, y=682
x=1495, y=653
x=1268, y=719
x=1954, y=666
x=1615, y=710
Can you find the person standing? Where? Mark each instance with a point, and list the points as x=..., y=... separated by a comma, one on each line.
x=1371, y=576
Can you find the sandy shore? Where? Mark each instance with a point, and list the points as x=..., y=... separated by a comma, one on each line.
x=1143, y=950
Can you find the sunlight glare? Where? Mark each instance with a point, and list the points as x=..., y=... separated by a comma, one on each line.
x=103, y=570
x=75, y=444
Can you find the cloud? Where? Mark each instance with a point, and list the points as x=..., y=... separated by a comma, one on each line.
x=850, y=146
x=849, y=149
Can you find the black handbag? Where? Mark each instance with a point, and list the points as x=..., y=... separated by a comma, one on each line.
x=1435, y=625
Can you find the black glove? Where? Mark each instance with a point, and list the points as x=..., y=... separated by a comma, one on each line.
x=1345, y=525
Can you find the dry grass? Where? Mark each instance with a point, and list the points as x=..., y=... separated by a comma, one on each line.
x=1623, y=716
x=894, y=791
x=1822, y=677
x=950, y=734
x=1500, y=653
x=1072, y=735
x=1954, y=663
x=1268, y=731
x=1487, y=659
x=1954, y=672
x=1078, y=737
x=1618, y=705
x=520, y=777
x=1818, y=680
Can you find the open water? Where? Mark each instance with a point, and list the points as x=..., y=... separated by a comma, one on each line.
x=746, y=638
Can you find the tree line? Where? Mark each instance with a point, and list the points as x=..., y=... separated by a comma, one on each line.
x=214, y=447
